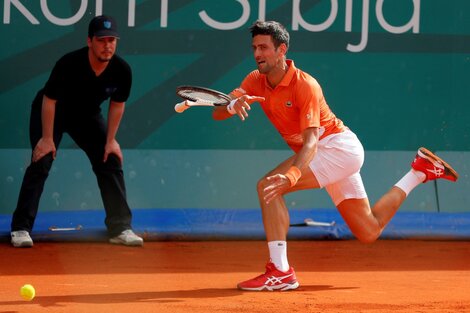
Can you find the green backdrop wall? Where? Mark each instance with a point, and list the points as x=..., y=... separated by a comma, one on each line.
x=396, y=71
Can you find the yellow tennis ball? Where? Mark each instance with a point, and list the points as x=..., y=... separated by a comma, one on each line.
x=27, y=292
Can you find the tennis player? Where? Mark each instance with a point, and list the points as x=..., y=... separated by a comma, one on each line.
x=327, y=154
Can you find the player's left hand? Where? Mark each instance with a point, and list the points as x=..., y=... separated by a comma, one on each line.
x=243, y=105
x=112, y=147
x=277, y=185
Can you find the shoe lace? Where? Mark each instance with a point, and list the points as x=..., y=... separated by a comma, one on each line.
x=21, y=233
x=127, y=232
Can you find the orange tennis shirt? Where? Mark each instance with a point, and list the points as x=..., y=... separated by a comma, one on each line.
x=295, y=104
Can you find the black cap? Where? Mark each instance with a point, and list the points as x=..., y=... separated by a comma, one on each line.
x=103, y=26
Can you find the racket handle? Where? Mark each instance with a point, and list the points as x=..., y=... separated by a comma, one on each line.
x=181, y=107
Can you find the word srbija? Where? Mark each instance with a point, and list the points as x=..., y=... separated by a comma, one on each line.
x=298, y=22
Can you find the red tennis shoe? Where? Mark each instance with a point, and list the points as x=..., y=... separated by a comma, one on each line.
x=433, y=166
x=273, y=279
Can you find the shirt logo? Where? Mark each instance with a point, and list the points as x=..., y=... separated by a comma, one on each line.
x=110, y=90
x=308, y=116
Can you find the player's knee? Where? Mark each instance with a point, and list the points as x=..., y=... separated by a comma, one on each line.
x=368, y=235
x=260, y=187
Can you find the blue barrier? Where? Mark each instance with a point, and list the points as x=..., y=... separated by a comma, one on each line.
x=236, y=224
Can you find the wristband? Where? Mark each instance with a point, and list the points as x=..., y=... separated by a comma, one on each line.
x=230, y=108
x=293, y=174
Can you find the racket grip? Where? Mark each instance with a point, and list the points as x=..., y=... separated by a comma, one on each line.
x=181, y=107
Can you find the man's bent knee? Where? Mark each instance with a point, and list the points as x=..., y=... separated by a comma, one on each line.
x=368, y=236
x=260, y=187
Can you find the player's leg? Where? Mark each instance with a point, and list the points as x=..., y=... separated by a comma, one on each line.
x=33, y=181
x=275, y=213
x=279, y=275
x=92, y=139
x=368, y=223
x=337, y=156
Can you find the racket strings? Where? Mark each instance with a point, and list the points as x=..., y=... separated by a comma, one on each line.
x=202, y=97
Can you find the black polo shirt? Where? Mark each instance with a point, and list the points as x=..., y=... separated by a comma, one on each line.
x=79, y=91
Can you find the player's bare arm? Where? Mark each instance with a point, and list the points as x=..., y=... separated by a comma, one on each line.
x=279, y=183
x=115, y=113
x=46, y=144
x=310, y=138
x=241, y=107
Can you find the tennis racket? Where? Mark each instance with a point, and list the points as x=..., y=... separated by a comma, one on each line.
x=199, y=96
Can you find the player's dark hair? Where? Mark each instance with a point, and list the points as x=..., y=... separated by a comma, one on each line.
x=276, y=30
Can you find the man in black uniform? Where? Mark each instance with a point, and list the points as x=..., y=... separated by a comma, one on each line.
x=70, y=103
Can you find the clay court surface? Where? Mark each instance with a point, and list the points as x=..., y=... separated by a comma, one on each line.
x=335, y=276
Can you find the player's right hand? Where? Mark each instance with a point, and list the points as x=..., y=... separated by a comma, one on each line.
x=43, y=147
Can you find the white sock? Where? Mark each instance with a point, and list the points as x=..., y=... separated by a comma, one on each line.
x=412, y=179
x=278, y=255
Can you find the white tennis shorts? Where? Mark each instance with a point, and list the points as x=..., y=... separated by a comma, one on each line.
x=337, y=166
